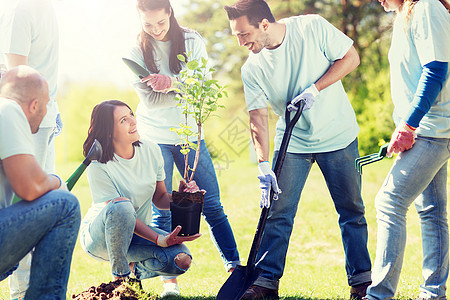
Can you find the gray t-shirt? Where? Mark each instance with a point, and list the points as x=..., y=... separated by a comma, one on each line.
x=15, y=138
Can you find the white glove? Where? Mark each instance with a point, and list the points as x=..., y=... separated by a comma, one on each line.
x=62, y=184
x=267, y=180
x=309, y=95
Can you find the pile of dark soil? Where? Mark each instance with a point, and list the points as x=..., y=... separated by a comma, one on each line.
x=114, y=290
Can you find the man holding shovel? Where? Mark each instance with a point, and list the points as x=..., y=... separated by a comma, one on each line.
x=302, y=57
x=49, y=217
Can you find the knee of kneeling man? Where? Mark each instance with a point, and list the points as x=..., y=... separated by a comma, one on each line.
x=183, y=261
x=70, y=201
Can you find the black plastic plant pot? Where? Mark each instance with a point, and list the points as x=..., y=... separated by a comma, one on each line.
x=188, y=216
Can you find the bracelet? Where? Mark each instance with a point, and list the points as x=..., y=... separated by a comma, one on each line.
x=410, y=127
x=156, y=242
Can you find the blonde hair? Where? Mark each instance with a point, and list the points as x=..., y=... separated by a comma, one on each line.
x=408, y=6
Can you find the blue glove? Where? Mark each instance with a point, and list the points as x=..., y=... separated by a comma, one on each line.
x=267, y=180
x=309, y=95
x=59, y=125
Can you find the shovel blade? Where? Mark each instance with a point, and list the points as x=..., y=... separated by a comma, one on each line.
x=238, y=282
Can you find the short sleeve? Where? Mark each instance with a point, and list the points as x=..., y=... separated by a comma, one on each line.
x=15, y=132
x=198, y=46
x=333, y=43
x=100, y=183
x=255, y=97
x=430, y=31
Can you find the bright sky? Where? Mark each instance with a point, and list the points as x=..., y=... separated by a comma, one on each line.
x=95, y=35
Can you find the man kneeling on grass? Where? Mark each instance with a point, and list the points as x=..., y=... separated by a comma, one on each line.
x=48, y=217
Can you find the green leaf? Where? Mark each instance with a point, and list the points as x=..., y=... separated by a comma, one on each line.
x=181, y=57
x=192, y=65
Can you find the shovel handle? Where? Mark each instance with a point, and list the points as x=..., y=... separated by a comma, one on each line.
x=277, y=170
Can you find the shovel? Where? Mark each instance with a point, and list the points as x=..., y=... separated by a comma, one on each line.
x=371, y=158
x=95, y=153
x=244, y=276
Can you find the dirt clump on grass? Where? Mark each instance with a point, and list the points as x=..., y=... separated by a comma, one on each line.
x=114, y=290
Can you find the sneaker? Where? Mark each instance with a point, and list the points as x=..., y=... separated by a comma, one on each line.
x=358, y=292
x=259, y=292
x=170, y=289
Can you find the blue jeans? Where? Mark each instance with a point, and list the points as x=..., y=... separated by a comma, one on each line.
x=110, y=237
x=344, y=184
x=44, y=152
x=50, y=225
x=205, y=177
x=418, y=175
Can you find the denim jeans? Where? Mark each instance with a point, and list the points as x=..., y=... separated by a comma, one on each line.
x=110, y=237
x=205, y=177
x=344, y=184
x=44, y=152
x=418, y=175
x=50, y=225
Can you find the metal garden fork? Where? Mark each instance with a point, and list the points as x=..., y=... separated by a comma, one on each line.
x=371, y=158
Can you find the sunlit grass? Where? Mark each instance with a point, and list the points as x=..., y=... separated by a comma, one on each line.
x=315, y=262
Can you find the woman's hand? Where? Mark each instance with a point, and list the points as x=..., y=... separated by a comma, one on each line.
x=173, y=238
x=159, y=82
x=402, y=139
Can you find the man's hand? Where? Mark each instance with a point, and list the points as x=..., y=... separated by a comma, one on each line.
x=402, y=139
x=267, y=180
x=173, y=238
x=158, y=82
x=308, y=95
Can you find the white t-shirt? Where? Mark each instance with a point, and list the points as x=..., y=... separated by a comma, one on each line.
x=133, y=178
x=15, y=138
x=158, y=112
x=424, y=39
x=30, y=28
x=310, y=47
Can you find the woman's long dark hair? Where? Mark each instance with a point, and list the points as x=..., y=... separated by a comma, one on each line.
x=102, y=129
x=175, y=35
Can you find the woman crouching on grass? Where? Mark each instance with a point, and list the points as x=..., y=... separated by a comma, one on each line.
x=124, y=183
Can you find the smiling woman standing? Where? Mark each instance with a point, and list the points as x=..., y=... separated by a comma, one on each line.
x=158, y=45
x=420, y=88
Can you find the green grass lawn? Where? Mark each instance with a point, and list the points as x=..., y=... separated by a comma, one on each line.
x=315, y=262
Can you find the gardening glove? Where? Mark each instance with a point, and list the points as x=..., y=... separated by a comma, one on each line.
x=59, y=125
x=402, y=139
x=267, y=180
x=62, y=184
x=308, y=95
x=190, y=187
x=173, y=238
x=159, y=83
